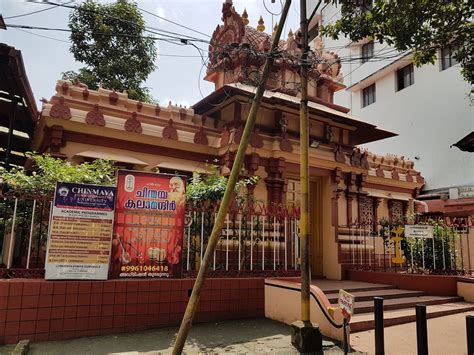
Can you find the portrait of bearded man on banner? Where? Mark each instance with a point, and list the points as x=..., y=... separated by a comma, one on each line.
x=177, y=191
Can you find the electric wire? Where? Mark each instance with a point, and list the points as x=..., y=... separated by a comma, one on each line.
x=180, y=41
x=42, y=36
x=173, y=22
x=34, y=12
x=187, y=40
x=147, y=28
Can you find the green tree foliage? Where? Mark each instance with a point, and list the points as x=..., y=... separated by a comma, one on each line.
x=49, y=170
x=423, y=26
x=211, y=187
x=110, y=40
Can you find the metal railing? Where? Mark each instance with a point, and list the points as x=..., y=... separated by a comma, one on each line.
x=256, y=238
x=374, y=246
x=23, y=233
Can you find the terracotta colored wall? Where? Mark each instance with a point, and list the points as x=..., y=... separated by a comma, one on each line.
x=282, y=303
x=465, y=288
x=435, y=285
x=45, y=310
x=260, y=191
x=331, y=266
x=342, y=210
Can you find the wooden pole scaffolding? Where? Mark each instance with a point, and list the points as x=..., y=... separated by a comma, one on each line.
x=234, y=174
x=304, y=168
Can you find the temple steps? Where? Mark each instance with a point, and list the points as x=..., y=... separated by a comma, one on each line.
x=399, y=304
x=402, y=303
x=365, y=321
x=386, y=293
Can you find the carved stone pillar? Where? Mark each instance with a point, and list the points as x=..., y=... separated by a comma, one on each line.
x=377, y=202
x=405, y=208
x=54, y=140
x=349, y=198
x=336, y=193
x=350, y=193
x=351, y=182
x=275, y=181
x=335, y=208
x=251, y=164
x=227, y=161
x=361, y=182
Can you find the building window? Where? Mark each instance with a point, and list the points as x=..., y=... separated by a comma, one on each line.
x=367, y=52
x=447, y=57
x=368, y=95
x=405, y=77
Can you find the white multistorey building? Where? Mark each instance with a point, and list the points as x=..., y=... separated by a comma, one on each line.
x=429, y=106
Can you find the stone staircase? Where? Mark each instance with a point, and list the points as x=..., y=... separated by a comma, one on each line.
x=399, y=305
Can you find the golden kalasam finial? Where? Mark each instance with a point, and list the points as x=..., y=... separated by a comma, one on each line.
x=274, y=30
x=245, y=17
x=291, y=35
x=261, y=26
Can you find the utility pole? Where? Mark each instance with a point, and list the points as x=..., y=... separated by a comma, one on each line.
x=304, y=167
x=305, y=336
x=229, y=191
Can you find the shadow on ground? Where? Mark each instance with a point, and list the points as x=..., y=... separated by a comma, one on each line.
x=250, y=336
x=246, y=336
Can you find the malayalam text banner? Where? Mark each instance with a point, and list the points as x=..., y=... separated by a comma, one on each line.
x=149, y=225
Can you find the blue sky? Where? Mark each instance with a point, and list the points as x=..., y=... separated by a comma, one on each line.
x=175, y=79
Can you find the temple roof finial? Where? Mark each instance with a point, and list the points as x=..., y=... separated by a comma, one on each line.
x=245, y=17
x=261, y=26
x=291, y=35
x=275, y=30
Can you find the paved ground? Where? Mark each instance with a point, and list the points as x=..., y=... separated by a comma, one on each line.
x=446, y=335
x=260, y=336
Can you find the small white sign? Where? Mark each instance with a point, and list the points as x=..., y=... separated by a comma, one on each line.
x=346, y=302
x=418, y=231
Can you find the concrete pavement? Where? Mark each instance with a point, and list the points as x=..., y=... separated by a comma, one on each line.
x=446, y=336
x=253, y=336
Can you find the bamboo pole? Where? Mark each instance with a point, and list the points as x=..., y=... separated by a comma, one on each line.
x=304, y=169
x=234, y=174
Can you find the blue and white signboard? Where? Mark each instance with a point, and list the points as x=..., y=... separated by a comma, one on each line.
x=80, y=232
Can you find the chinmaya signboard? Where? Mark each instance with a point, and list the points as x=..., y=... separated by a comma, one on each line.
x=80, y=234
x=149, y=225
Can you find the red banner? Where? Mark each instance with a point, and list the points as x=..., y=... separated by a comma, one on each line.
x=149, y=225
